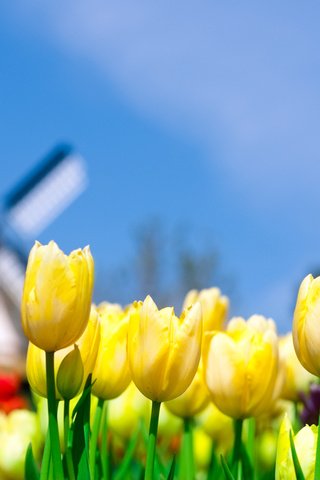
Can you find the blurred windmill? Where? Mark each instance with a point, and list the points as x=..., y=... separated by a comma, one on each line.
x=25, y=211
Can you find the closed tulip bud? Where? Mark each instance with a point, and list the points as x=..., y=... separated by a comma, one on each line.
x=214, y=307
x=164, y=350
x=111, y=373
x=234, y=361
x=306, y=324
x=193, y=400
x=57, y=296
x=70, y=374
x=305, y=442
x=296, y=378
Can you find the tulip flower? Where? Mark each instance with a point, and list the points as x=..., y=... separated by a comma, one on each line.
x=127, y=410
x=88, y=345
x=296, y=378
x=163, y=350
x=193, y=400
x=18, y=429
x=111, y=373
x=218, y=426
x=214, y=307
x=56, y=296
x=241, y=366
x=305, y=445
x=306, y=324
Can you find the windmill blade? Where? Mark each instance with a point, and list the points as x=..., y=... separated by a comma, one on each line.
x=46, y=192
x=12, y=271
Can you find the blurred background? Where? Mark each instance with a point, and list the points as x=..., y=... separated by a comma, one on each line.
x=199, y=129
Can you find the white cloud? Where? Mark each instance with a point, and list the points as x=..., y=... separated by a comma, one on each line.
x=243, y=77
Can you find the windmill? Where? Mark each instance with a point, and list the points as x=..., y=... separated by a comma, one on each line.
x=26, y=210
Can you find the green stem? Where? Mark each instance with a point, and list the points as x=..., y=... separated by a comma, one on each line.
x=52, y=416
x=251, y=424
x=317, y=465
x=213, y=465
x=68, y=454
x=152, y=441
x=236, y=453
x=187, y=471
x=44, y=473
x=104, y=443
x=94, y=437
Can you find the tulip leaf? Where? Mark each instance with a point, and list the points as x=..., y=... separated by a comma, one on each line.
x=172, y=469
x=123, y=470
x=31, y=468
x=226, y=470
x=79, y=434
x=296, y=463
x=247, y=468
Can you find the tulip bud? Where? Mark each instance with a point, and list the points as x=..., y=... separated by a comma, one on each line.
x=233, y=362
x=218, y=426
x=305, y=442
x=193, y=400
x=88, y=346
x=214, y=307
x=111, y=374
x=296, y=378
x=306, y=325
x=163, y=350
x=56, y=296
x=70, y=374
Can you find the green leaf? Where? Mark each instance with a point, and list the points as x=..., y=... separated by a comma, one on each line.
x=123, y=470
x=247, y=468
x=296, y=463
x=226, y=470
x=31, y=471
x=172, y=469
x=79, y=434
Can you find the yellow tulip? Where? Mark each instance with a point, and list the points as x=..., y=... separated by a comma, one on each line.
x=127, y=410
x=218, y=426
x=214, y=307
x=111, y=374
x=193, y=400
x=57, y=296
x=305, y=442
x=88, y=345
x=21, y=428
x=306, y=324
x=296, y=378
x=241, y=366
x=164, y=350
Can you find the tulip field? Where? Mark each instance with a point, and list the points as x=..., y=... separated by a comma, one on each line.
x=139, y=392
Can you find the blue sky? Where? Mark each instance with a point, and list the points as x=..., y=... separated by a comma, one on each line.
x=206, y=114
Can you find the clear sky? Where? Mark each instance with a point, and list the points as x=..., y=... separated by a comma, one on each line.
x=205, y=113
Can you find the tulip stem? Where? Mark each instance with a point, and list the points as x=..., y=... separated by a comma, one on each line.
x=104, y=443
x=152, y=441
x=236, y=453
x=52, y=416
x=251, y=424
x=186, y=471
x=317, y=465
x=94, y=436
x=68, y=455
